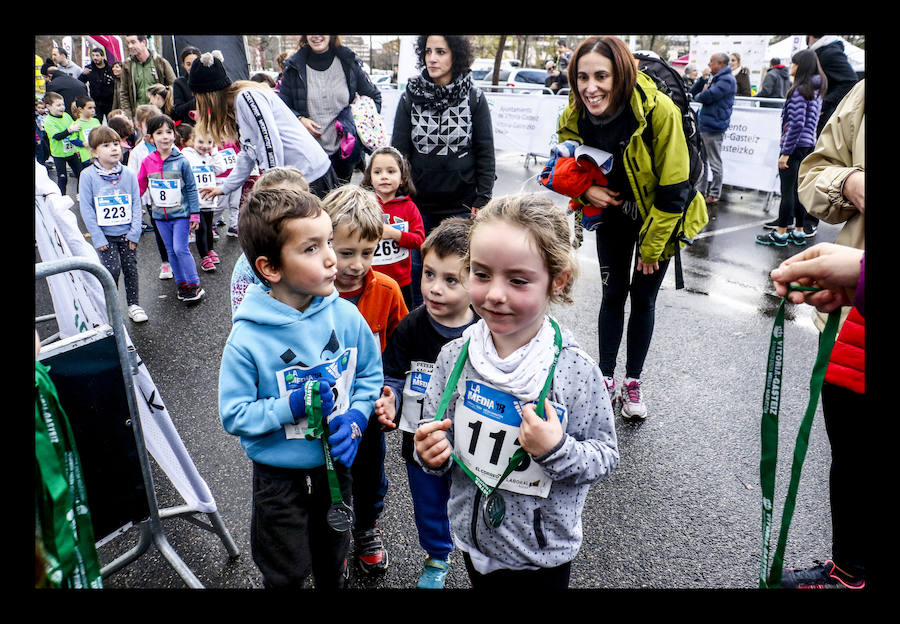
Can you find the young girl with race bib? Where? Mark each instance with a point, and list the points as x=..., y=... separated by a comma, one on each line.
x=515, y=408
x=174, y=203
x=206, y=165
x=388, y=175
x=110, y=205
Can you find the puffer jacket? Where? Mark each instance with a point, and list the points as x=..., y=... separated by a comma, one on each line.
x=718, y=101
x=799, y=119
x=293, y=80
x=659, y=180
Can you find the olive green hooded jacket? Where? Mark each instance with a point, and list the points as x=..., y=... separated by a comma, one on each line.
x=659, y=179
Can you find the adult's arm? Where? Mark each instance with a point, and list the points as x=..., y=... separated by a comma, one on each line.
x=260, y=139
x=183, y=101
x=401, y=136
x=717, y=90
x=483, y=147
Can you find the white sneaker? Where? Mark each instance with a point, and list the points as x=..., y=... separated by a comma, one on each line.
x=632, y=403
x=165, y=271
x=136, y=313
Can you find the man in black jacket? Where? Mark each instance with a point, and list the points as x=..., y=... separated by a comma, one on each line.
x=101, y=82
x=66, y=86
x=837, y=68
x=775, y=84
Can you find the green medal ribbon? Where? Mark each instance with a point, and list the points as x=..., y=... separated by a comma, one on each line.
x=770, y=572
x=340, y=515
x=494, y=508
x=62, y=517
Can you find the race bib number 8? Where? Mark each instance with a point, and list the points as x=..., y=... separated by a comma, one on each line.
x=339, y=373
x=165, y=193
x=486, y=434
x=113, y=209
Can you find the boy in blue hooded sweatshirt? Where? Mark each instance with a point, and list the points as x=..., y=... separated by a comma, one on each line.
x=298, y=331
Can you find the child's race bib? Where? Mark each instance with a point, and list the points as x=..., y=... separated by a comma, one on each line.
x=388, y=251
x=414, y=395
x=165, y=193
x=204, y=176
x=486, y=431
x=339, y=373
x=68, y=146
x=229, y=157
x=113, y=209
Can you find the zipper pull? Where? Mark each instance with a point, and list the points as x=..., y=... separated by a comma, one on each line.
x=309, y=484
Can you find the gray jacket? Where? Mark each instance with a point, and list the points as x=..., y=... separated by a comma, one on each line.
x=271, y=136
x=537, y=532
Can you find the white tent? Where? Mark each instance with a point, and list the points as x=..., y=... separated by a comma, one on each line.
x=786, y=48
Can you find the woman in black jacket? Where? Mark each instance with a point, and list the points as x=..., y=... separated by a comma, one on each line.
x=182, y=97
x=333, y=74
x=443, y=127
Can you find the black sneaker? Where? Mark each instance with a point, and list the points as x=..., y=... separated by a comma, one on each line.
x=371, y=557
x=771, y=225
x=822, y=576
x=796, y=237
x=190, y=292
x=773, y=238
x=810, y=230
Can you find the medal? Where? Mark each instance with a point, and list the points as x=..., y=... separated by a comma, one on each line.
x=493, y=510
x=340, y=517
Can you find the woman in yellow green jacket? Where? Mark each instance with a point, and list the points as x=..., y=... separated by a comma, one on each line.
x=648, y=204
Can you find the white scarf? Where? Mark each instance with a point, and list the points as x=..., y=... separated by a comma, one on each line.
x=523, y=372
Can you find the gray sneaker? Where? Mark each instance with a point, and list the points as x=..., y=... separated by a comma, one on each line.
x=632, y=403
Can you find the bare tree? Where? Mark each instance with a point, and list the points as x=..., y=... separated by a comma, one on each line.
x=495, y=76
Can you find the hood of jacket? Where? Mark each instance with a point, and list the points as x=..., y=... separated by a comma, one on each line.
x=262, y=309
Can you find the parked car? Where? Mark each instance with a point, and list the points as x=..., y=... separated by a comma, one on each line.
x=523, y=79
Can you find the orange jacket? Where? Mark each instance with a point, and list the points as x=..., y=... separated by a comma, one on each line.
x=381, y=304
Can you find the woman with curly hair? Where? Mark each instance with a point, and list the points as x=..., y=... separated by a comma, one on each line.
x=443, y=128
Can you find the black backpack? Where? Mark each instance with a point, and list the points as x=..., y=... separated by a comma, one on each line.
x=669, y=81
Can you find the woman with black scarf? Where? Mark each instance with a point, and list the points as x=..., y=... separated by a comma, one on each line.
x=319, y=82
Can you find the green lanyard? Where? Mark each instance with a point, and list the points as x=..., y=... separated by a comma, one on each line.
x=770, y=573
x=340, y=515
x=61, y=510
x=495, y=509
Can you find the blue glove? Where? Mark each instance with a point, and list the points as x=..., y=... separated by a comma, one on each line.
x=346, y=433
x=297, y=401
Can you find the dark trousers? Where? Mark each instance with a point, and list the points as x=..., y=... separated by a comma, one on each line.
x=289, y=534
x=516, y=580
x=62, y=179
x=790, y=210
x=851, y=521
x=119, y=258
x=321, y=186
x=203, y=237
x=370, y=483
x=616, y=243
x=160, y=244
x=342, y=169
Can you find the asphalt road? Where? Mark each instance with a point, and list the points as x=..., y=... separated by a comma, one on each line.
x=681, y=511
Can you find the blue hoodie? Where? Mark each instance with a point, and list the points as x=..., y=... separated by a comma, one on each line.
x=272, y=349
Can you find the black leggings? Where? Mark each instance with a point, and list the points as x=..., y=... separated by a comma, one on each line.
x=204, y=235
x=616, y=243
x=119, y=258
x=850, y=503
x=790, y=210
x=62, y=180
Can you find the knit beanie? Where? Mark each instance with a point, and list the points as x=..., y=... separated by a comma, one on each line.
x=208, y=73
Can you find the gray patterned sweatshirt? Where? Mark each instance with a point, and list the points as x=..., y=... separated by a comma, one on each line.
x=536, y=532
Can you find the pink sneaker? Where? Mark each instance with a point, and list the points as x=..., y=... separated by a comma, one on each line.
x=207, y=264
x=213, y=256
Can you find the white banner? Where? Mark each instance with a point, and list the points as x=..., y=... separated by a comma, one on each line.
x=79, y=304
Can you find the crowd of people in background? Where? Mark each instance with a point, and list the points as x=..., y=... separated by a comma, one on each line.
x=403, y=265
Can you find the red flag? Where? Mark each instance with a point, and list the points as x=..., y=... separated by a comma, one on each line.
x=115, y=51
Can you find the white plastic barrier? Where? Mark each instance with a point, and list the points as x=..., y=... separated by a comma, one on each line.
x=526, y=123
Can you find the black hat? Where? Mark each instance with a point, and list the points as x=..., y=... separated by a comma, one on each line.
x=208, y=73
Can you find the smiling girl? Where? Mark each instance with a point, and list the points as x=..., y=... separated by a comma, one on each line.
x=516, y=357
